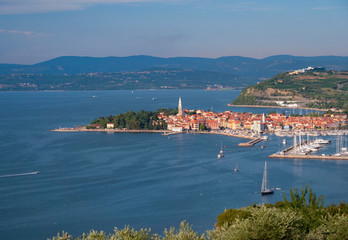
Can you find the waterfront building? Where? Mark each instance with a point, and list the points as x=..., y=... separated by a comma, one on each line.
x=110, y=125
x=177, y=129
x=256, y=126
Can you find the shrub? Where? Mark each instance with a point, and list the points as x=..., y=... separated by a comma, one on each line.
x=264, y=223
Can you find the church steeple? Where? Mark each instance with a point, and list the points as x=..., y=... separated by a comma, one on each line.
x=179, y=107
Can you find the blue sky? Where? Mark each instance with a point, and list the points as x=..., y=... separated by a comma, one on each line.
x=32, y=31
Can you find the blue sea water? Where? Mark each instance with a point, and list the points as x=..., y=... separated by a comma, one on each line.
x=101, y=181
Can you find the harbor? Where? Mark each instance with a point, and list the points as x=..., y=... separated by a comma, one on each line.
x=302, y=149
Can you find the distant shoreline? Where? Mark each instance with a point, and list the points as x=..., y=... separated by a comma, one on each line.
x=265, y=106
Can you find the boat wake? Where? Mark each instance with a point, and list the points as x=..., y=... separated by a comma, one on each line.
x=19, y=174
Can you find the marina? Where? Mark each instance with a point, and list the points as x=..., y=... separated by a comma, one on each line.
x=302, y=149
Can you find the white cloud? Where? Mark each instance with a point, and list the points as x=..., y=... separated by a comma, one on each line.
x=25, y=33
x=41, y=6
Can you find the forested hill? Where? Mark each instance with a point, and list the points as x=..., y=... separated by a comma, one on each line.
x=241, y=66
x=315, y=89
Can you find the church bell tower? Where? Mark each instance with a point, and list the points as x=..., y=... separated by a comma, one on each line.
x=179, y=107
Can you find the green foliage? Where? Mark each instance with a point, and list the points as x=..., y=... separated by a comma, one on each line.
x=341, y=209
x=64, y=236
x=202, y=127
x=128, y=233
x=300, y=201
x=231, y=215
x=185, y=233
x=95, y=235
x=327, y=89
x=264, y=223
x=136, y=121
x=332, y=228
x=310, y=206
x=245, y=99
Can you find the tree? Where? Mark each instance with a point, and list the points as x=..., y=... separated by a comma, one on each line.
x=202, y=127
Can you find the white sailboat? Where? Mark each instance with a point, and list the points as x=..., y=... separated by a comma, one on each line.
x=264, y=188
x=221, y=153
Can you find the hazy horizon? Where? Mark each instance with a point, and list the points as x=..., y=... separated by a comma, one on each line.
x=33, y=31
x=171, y=57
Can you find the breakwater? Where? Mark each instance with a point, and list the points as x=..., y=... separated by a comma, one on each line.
x=250, y=143
x=297, y=156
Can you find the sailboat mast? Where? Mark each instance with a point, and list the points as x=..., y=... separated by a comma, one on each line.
x=264, y=179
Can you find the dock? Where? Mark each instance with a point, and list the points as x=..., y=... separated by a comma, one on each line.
x=250, y=143
x=170, y=133
x=297, y=156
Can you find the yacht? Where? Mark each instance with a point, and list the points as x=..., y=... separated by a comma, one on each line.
x=322, y=141
x=265, y=137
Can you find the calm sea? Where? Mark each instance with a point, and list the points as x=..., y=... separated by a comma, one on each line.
x=101, y=181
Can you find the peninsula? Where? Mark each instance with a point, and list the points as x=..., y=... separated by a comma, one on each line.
x=246, y=125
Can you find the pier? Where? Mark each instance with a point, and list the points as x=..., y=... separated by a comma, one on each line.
x=170, y=133
x=297, y=156
x=250, y=143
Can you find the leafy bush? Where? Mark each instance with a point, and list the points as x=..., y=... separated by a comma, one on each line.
x=333, y=228
x=231, y=215
x=264, y=223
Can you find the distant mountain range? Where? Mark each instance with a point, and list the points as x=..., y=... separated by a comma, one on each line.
x=241, y=66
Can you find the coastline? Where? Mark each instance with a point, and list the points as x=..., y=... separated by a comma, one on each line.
x=108, y=130
x=265, y=106
x=84, y=129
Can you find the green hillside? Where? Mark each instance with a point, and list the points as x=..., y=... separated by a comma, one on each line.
x=315, y=89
